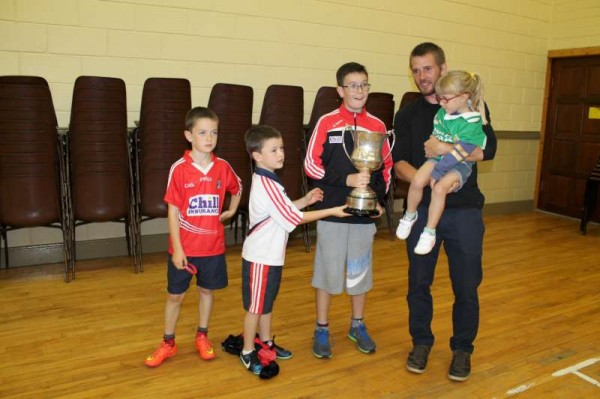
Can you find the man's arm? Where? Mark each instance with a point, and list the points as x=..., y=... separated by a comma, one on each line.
x=404, y=171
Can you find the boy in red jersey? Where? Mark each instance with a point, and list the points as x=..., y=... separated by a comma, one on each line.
x=195, y=194
x=273, y=215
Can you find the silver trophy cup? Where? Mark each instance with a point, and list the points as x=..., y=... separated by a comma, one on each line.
x=366, y=157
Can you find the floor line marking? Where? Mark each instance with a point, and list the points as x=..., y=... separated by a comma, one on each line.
x=519, y=389
x=576, y=367
x=587, y=378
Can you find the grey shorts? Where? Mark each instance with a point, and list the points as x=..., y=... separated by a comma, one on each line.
x=344, y=257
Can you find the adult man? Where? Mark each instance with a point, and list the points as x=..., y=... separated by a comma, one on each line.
x=460, y=228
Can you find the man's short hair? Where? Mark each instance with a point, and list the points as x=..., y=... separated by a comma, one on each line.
x=429, y=48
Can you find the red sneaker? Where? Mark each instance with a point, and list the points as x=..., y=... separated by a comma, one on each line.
x=205, y=348
x=163, y=352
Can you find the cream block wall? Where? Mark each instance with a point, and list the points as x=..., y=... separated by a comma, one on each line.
x=261, y=42
x=511, y=175
x=297, y=42
x=575, y=24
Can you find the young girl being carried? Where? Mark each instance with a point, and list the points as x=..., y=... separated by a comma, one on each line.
x=459, y=121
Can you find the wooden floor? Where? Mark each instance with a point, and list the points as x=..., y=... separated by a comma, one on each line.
x=540, y=315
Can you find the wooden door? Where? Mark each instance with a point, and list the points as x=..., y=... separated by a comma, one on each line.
x=572, y=136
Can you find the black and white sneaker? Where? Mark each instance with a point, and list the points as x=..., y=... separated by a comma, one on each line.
x=251, y=362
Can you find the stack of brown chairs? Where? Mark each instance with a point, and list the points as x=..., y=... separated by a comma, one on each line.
x=233, y=104
x=33, y=183
x=159, y=142
x=101, y=170
x=399, y=188
x=327, y=100
x=382, y=106
x=283, y=109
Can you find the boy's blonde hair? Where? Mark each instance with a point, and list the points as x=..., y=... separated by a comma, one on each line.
x=257, y=135
x=459, y=82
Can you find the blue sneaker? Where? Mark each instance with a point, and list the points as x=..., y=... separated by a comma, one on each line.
x=363, y=341
x=321, y=345
x=251, y=362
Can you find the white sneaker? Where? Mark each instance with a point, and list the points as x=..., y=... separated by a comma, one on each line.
x=425, y=244
x=403, y=230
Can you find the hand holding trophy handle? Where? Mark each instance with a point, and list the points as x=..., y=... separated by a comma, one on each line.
x=366, y=156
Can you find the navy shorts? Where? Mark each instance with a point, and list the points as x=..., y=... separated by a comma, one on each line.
x=212, y=274
x=260, y=285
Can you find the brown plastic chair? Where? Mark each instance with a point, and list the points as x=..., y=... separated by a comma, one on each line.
x=283, y=109
x=100, y=164
x=33, y=189
x=159, y=142
x=326, y=100
x=398, y=188
x=233, y=104
x=382, y=106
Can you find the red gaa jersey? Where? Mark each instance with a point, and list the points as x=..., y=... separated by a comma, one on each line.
x=199, y=194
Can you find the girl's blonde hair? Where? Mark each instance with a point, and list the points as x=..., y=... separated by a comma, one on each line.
x=459, y=82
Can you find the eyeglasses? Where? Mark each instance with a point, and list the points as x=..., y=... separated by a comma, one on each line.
x=441, y=99
x=353, y=87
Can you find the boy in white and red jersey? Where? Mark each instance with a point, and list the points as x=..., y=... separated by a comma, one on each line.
x=273, y=215
x=196, y=189
x=343, y=259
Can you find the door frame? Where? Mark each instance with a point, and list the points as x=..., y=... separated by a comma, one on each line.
x=552, y=55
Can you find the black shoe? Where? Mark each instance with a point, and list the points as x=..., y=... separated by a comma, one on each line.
x=282, y=353
x=251, y=362
x=417, y=359
x=460, y=369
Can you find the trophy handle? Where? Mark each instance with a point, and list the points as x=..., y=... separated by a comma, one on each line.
x=389, y=133
x=344, y=142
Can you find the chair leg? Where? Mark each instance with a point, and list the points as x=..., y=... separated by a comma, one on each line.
x=306, y=234
x=589, y=204
x=234, y=226
x=245, y=226
x=5, y=239
x=389, y=211
x=138, y=244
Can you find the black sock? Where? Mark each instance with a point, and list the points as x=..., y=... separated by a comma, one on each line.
x=202, y=331
x=169, y=339
x=322, y=326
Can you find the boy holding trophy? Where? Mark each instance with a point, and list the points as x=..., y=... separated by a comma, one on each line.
x=343, y=259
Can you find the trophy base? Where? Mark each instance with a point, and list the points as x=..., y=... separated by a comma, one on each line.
x=362, y=203
x=362, y=212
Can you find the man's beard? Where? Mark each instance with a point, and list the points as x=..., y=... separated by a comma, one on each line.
x=430, y=91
